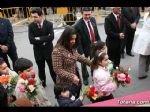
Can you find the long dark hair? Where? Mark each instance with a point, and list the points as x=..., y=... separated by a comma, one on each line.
x=64, y=39
x=97, y=59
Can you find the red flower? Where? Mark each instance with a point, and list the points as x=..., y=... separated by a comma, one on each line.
x=96, y=92
x=24, y=76
x=31, y=81
x=128, y=80
x=115, y=74
x=104, y=93
x=126, y=74
x=92, y=90
x=32, y=74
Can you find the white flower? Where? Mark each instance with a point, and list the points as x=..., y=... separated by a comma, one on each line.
x=26, y=82
x=31, y=88
x=117, y=68
x=72, y=98
x=129, y=69
x=21, y=81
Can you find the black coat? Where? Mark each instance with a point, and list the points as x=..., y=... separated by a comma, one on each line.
x=113, y=40
x=46, y=35
x=85, y=42
x=6, y=33
x=130, y=16
x=67, y=102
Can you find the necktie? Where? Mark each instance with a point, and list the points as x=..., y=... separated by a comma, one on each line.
x=40, y=27
x=118, y=21
x=91, y=32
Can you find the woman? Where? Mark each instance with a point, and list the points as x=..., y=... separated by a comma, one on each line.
x=65, y=57
x=142, y=47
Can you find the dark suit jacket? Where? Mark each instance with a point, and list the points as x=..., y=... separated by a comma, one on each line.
x=112, y=31
x=46, y=35
x=130, y=16
x=85, y=42
x=6, y=34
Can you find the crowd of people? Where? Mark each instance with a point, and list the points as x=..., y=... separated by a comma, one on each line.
x=80, y=42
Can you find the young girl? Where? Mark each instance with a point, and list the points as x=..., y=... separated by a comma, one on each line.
x=103, y=82
x=101, y=47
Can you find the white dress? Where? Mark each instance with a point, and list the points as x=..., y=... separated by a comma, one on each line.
x=142, y=44
x=103, y=81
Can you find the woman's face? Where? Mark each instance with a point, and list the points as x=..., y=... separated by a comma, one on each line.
x=104, y=62
x=73, y=40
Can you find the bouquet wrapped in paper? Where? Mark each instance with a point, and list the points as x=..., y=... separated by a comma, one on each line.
x=121, y=76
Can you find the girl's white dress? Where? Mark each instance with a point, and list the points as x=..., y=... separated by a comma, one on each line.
x=103, y=82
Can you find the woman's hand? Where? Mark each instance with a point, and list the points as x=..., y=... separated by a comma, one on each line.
x=75, y=80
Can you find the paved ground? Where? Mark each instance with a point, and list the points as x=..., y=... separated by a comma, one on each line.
x=25, y=50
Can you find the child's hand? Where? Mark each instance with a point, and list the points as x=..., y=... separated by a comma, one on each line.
x=81, y=98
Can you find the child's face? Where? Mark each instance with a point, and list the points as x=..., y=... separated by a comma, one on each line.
x=4, y=68
x=104, y=62
x=104, y=49
x=28, y=71
x=65, y=94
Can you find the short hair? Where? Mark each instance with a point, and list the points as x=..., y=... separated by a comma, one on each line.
x=60, y=87
x=86, y=9
x=1, y=61
x=3, y=97
x=37, y=10
x=22, y=64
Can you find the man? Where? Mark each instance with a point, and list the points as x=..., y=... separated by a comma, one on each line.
x=41, y=35
x=7, y=44
x=131, y=16
x=114, y=28
x=87, y=29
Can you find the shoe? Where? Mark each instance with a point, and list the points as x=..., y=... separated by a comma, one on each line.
x=130, y=54
x=144, y=77
x=85, y=82
x=122, y=56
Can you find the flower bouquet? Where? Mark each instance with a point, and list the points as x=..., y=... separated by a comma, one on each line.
x=27, y=84
x=8, y=82
x=121, y=76
x=92, y=94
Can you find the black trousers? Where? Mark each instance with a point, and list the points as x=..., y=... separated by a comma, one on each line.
x=42, y=55
x=85, y=74
x=12, y=53
x=129, y=40
x=102, y=98
x=75, y=90
x=114, y=56
x=123, y=45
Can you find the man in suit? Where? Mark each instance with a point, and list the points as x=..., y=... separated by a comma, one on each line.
x=7, y=44
x=41, y=35
x=131, y=16
x=114, y=28
x=87, y=29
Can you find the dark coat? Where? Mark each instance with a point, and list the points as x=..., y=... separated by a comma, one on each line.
x=6, y=33
x=46, y=35
x=67, y=102
x=85, y=42
x=113, y=40
x=130, y=16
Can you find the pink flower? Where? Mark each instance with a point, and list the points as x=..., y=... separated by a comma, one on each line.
x=21, y=88
x=121, y=77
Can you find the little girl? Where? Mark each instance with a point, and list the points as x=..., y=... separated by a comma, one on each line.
x=103, y=82
x=101, y=47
